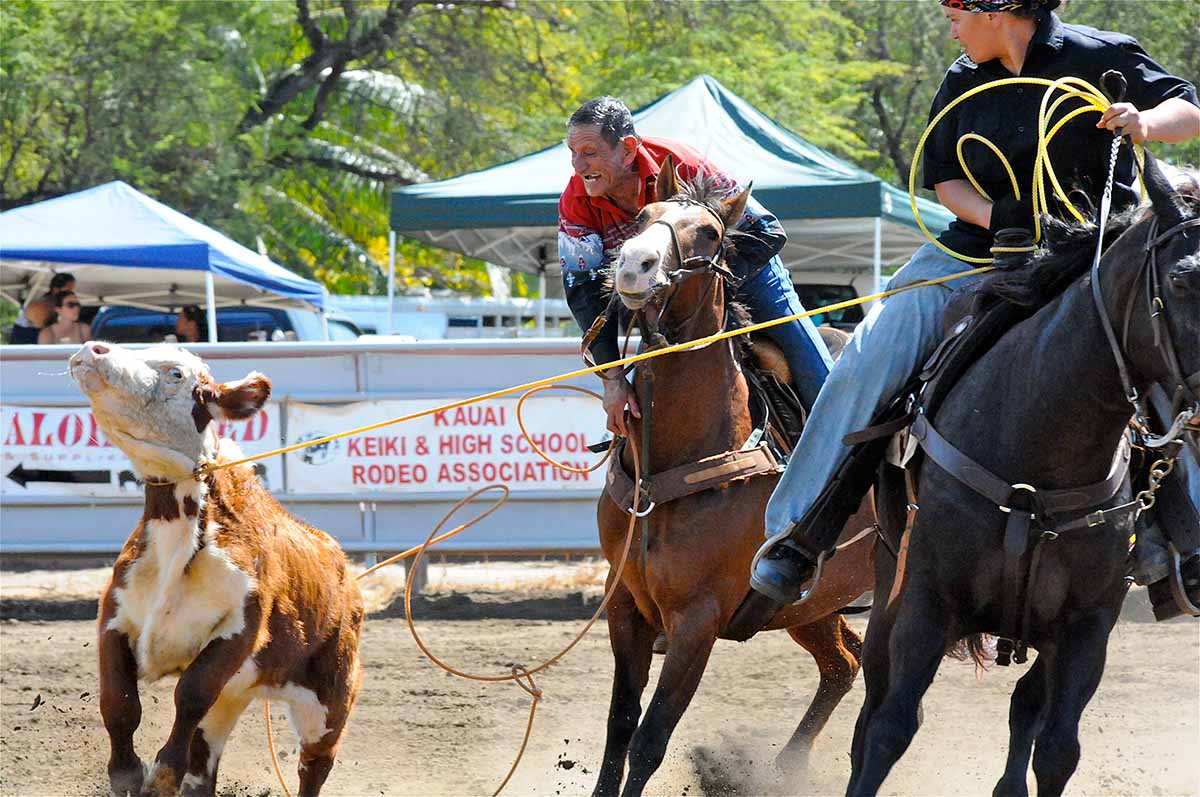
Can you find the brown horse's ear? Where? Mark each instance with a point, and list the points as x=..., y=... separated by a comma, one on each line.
x=667, y=185
x=734, y=207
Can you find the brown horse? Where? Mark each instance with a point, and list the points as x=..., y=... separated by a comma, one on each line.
x=693, y=571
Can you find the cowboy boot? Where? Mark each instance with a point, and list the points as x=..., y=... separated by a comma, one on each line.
x=782, y=572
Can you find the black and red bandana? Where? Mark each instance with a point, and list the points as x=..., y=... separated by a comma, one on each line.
x=999, y=6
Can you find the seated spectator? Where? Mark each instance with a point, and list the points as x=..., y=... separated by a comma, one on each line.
x=68, y=328
x=190, y=325
x=38, y=313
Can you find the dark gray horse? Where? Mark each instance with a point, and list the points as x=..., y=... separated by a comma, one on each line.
x=1045, y=407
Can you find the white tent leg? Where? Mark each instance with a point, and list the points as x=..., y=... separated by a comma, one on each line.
x=391, y=289
x=210, y=300
x=541, y=313
x=878, y=255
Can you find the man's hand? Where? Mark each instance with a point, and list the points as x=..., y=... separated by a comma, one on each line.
x=1126, y=118
x=618, y=394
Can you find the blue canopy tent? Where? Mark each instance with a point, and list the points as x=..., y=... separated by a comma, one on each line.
x=839, y=218
x=126, y=248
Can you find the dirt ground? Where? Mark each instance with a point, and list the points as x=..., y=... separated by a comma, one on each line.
x=418, y=731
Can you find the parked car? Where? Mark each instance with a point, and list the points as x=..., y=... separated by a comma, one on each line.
x=120, y=324
x=813, y=296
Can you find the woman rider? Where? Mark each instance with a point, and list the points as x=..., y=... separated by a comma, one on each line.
x=999, y=39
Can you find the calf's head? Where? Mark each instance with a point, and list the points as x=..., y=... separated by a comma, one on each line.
x=157, y=404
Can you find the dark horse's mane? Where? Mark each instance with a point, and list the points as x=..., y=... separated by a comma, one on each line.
x=1065, y=255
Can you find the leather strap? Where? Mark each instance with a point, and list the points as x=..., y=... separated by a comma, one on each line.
x=694, y=477
x=1000, y=492
x=886, y=429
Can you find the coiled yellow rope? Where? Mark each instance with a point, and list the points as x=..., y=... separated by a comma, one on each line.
x=1071, y=88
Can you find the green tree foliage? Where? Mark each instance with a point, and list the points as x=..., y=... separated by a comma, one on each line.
x=286, y=124
x=914, y=37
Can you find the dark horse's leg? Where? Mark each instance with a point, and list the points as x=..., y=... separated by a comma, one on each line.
x=836, y=648
x=1026, y=715
x=1075, y=674
x=914, y=649
x=692, y=633
x=631, y=637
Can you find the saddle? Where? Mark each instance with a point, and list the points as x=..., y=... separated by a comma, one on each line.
x=778, y=418
x=1031, y=513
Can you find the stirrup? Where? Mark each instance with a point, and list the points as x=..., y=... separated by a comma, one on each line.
x=816, y=578
x=1176, y=579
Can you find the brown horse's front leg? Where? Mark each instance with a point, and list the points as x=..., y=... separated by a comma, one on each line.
x=632, y=638
x=197, y=691
x=120, y=707
x=692, y=635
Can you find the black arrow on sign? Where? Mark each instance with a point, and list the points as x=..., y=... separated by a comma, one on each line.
x=22, y=476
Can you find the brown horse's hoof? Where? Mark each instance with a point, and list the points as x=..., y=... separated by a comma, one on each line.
x=660, y=643
x=125, y=782
x=755, y=612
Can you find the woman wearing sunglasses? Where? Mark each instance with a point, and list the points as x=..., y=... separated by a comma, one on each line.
x=68, y=328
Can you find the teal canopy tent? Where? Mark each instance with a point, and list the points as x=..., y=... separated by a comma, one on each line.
x=838, y=217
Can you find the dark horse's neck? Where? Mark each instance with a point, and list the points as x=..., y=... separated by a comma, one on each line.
x=1055, y=396
x=700, y=403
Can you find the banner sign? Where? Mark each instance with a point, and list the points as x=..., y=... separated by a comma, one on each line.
x=455, y=451
x=62, y=451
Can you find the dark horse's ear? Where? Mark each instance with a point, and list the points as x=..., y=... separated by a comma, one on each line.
x=1163, y=196
x=667, y=185
x=734, y=207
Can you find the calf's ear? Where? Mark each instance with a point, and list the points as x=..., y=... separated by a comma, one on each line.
x=235, y=401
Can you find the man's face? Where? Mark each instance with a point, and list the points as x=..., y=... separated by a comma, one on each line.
x=975, y=33
x=602, y=168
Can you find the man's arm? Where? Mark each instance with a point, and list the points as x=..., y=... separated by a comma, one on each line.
x=759, y=237
x=581, y=257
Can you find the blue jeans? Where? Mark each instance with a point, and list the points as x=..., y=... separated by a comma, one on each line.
x=769, y=295
x=893, y=341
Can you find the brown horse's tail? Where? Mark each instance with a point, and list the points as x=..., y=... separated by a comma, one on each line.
x=974, y=647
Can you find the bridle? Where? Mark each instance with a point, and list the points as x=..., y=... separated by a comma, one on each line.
x=1185, y=389
x=713, y=265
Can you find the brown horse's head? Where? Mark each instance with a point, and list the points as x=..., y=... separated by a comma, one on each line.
x=682, y=234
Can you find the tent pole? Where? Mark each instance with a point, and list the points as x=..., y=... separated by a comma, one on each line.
x=210, y=301
x=391, y=288
x=878, y=254
x=541, y=313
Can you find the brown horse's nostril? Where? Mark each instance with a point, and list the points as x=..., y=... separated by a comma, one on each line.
x=99, y=349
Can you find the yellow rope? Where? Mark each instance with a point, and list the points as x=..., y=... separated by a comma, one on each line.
x=634, y=358
x=1071, y=88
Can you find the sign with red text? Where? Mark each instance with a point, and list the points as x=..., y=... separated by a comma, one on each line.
x=454, y=451
x=62, y=451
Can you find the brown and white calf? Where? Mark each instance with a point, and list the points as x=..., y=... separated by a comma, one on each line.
x=217, y=584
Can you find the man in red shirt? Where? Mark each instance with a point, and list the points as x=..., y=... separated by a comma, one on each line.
x=615, y=175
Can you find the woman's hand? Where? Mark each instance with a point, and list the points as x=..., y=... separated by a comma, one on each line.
x=1124, y=117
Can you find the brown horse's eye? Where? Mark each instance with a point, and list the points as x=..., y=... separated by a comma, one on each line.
x=710, y=232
